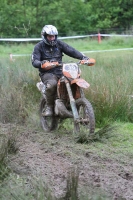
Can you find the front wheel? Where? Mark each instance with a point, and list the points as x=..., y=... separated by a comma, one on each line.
x=48, y=123
x=86, y=122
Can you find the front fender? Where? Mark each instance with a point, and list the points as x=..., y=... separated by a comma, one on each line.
x=81, y=83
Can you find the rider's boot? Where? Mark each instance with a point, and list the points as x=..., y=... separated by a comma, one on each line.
x=50, y=97
x=49, y=106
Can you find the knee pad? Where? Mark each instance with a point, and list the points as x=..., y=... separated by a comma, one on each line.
x=51, y=86
x=48, y=86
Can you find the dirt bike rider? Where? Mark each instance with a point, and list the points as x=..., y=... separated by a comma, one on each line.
x=51, y=49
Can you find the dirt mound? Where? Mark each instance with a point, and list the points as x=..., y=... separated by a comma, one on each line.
x=51, y=157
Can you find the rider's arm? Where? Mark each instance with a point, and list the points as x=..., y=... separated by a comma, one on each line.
x=36, y=57
x=70, y=51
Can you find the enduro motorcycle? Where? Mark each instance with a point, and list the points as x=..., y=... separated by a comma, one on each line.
x=70, y=101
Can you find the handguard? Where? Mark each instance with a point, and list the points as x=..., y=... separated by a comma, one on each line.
x=89, y=62
x=49, y=65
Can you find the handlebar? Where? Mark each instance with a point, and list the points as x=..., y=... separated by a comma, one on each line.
x=49, y=65
x=89, y=62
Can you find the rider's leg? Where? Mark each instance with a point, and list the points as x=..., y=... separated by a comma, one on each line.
x=50, y=81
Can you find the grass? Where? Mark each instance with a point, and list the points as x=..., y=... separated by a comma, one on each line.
x=116, y=143
x=16, y=48
x=111, y=85
x=85, y=44
x=16, y=187
x=110, y=79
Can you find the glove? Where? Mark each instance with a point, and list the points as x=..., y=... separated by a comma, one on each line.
x=48, y=65
x=44, y=61
x=89, y=62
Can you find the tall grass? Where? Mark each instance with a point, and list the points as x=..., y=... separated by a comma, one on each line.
x=18, y=92
x=111, y=86
x=110, y=79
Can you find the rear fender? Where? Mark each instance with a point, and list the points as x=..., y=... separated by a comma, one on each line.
x=81, y=83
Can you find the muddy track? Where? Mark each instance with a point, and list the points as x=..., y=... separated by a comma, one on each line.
x=51, y=157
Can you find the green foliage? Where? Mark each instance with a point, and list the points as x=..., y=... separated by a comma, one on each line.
x=20, y=187
x=26, y=18
x=114, y=14
x=7, y=146
x=4, y=171
x=104, y=133
x=72, y=185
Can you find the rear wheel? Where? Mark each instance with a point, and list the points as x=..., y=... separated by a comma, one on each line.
x=48, y=123
x=86, y=123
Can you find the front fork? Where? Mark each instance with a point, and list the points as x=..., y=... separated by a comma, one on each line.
x=72, y=101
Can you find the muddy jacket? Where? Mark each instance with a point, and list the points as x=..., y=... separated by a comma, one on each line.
x=43, y=51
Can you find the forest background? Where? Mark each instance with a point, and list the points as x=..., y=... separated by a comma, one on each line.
x=25, y=18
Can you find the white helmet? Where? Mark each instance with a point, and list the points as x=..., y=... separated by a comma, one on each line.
x=49, y=30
